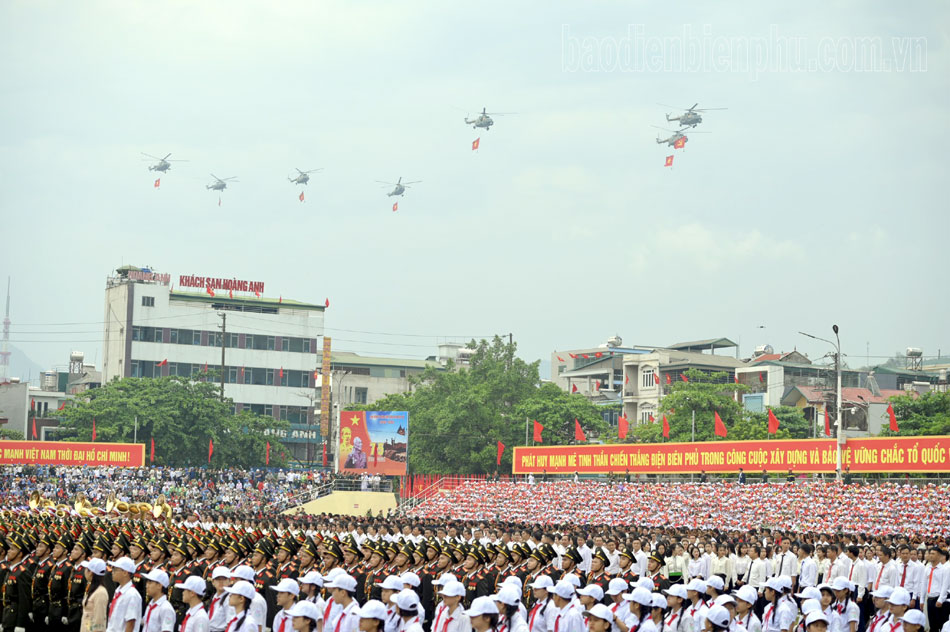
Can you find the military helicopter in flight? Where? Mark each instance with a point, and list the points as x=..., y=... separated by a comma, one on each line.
x=484, y=119
x=220, y=184
x=678, y=139
x=400, y=186
x=163, y=164
x=304, y=176
x=691, y=117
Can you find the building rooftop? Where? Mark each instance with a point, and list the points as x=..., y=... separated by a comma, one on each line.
x=355, y=359
x=711, y=343
x=848, y=394
x=221, y=298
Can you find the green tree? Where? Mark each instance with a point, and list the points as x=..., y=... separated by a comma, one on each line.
x=11, y=435
x=927, y=414
x=456, y=418
x=181, y=415
x=704, y=394
x=791, y=420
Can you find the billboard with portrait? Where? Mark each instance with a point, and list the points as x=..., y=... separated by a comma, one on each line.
x=374, y=442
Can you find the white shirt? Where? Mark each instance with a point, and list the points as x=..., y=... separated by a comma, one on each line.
x=197, y=620
x=886, y=576
x=128, y=607
x=281, y=616
x=567, y=619
x=159, y=616
x=841, y=567
x=910, y=573
x=540, y=616
x=455, y=621
x=641, y=562
x=249, y=624
x=258, y=611
x=347, y=620
x=857, y=575
x=750, y=622
x=219, y=618
x=759, y=572
x=808, y=574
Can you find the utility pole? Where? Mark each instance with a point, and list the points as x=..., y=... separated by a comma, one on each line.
x=224, y=336
x=839, y=437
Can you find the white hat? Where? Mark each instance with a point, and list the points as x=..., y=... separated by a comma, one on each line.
x=453, y=589
x=193, y=583
x=513, y=580
x=841, y=583
x=409, y=578
x=306, y=609
x=564, y=589
x=722, y=600
x=646, y=582
x=659, y=601
x=157, y=575
x=312, y=577
x=344, y=581
x=332, y=574
x=600, y=611
x=544, y=581
x=747, y=594
x=95, y=566
x=244, y=572
x=406, y=599
x=785, y=582
x=815, y=615
x=592, y=590
x=617, y=586
x=698, y=585
x=392, y=582
x=287, y=585
x=443, y=579
x=509, y=595
x=573, y=580
x=883, y=592
x=774, y=583
x=640, y=595
x=810, y=605
x=126, y=564
x=373, y=609
x=243, y=588
x=715, y=581
x=221, y=572
x=718, y=616
x=679, y=590
x=809, y=592
x=914, y=616
x=899, y=597
x=482, y=605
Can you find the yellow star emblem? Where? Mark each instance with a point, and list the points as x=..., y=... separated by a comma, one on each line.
x=355, y=420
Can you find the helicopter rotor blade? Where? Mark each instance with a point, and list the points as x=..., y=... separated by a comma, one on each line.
x=665, y=129
x=167, y=155
x=389, y=184
x=709, y=109
x=215, y=177
x=412, y=182
x=498, y=113
x=150, y=156
x=693, y=108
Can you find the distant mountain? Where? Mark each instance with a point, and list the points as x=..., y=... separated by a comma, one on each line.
x=23, y=367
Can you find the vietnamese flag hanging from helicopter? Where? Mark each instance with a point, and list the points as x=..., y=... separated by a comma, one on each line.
x=475, y=143
x=301, y=196
x=158, y=182
x=680, y=143
x=669, y=161
x=395, y=206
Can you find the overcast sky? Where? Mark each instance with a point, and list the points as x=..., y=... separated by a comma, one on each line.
x=819, y=196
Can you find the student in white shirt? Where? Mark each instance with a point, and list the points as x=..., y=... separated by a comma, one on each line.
x=342, y=588
x=218, y=606
x=847, y=613
x=125, y=608
x=159, y=615
x=566, y=617
x=240, y=596
x=599, y=618
x=641, y=605
x=304, y=616
x=195, y=619
x=509, y=599
x=287, y=591
x=373, y=616
x=807, y=568
x=483, y=614
x=451, y=617
x=746, y=597
x=410, y=610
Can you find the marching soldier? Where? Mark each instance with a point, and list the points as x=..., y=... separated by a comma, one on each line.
x=177, y=572
x=77, y=583
x=654, y=565
x=628, y=569
x=58, y=583
x=40, y=589
x=598, y=575
x=17, y=585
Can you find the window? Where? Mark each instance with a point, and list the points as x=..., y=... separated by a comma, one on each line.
x=285, y=344
x=648, y=380
x=360, y=395
x=232, y=374
x=196, y=338
x=173, y=336
x=148, y=301
x=295, y=345
x=136, y=333
x=233, y=341
x=644, y=417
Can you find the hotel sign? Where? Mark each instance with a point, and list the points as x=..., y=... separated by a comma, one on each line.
x=215, y=283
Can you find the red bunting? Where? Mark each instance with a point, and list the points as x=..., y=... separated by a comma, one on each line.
x=267, y=448
x=827, y=423
x=579, y=432
x=537, y=432
x=651, y=418
x=326, y=303
x=736, y=378
x=573, y=356
x=622, y=427
x=560, y=359
x=683, y=377
x=773, y=422
x=893, y=418
x=501, y=450
x=656, y=377
x=668, y=379
x=324, y=455
x=720, y=430
x=210, y=449
x=210, y=291
x=573, y=388
x=230, y=293
x=666, y=428
x=93, y=428
x=34, y=428
x=151, y=458
x=761, y=378
x=375, y=455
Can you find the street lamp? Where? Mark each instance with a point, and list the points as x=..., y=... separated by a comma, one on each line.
x=839, y=437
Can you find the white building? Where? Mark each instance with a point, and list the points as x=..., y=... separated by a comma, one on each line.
x=271, y=349
x=18, y=400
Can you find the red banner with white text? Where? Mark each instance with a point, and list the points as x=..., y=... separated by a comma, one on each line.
x=69, y=453
x=886, y=454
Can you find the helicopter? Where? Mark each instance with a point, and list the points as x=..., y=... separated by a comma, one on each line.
x=304, y=176
x=164, y=164
x=220, y=184
x=678, y=139
x=484, y=119
x=691, y=117
x=400, y=186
